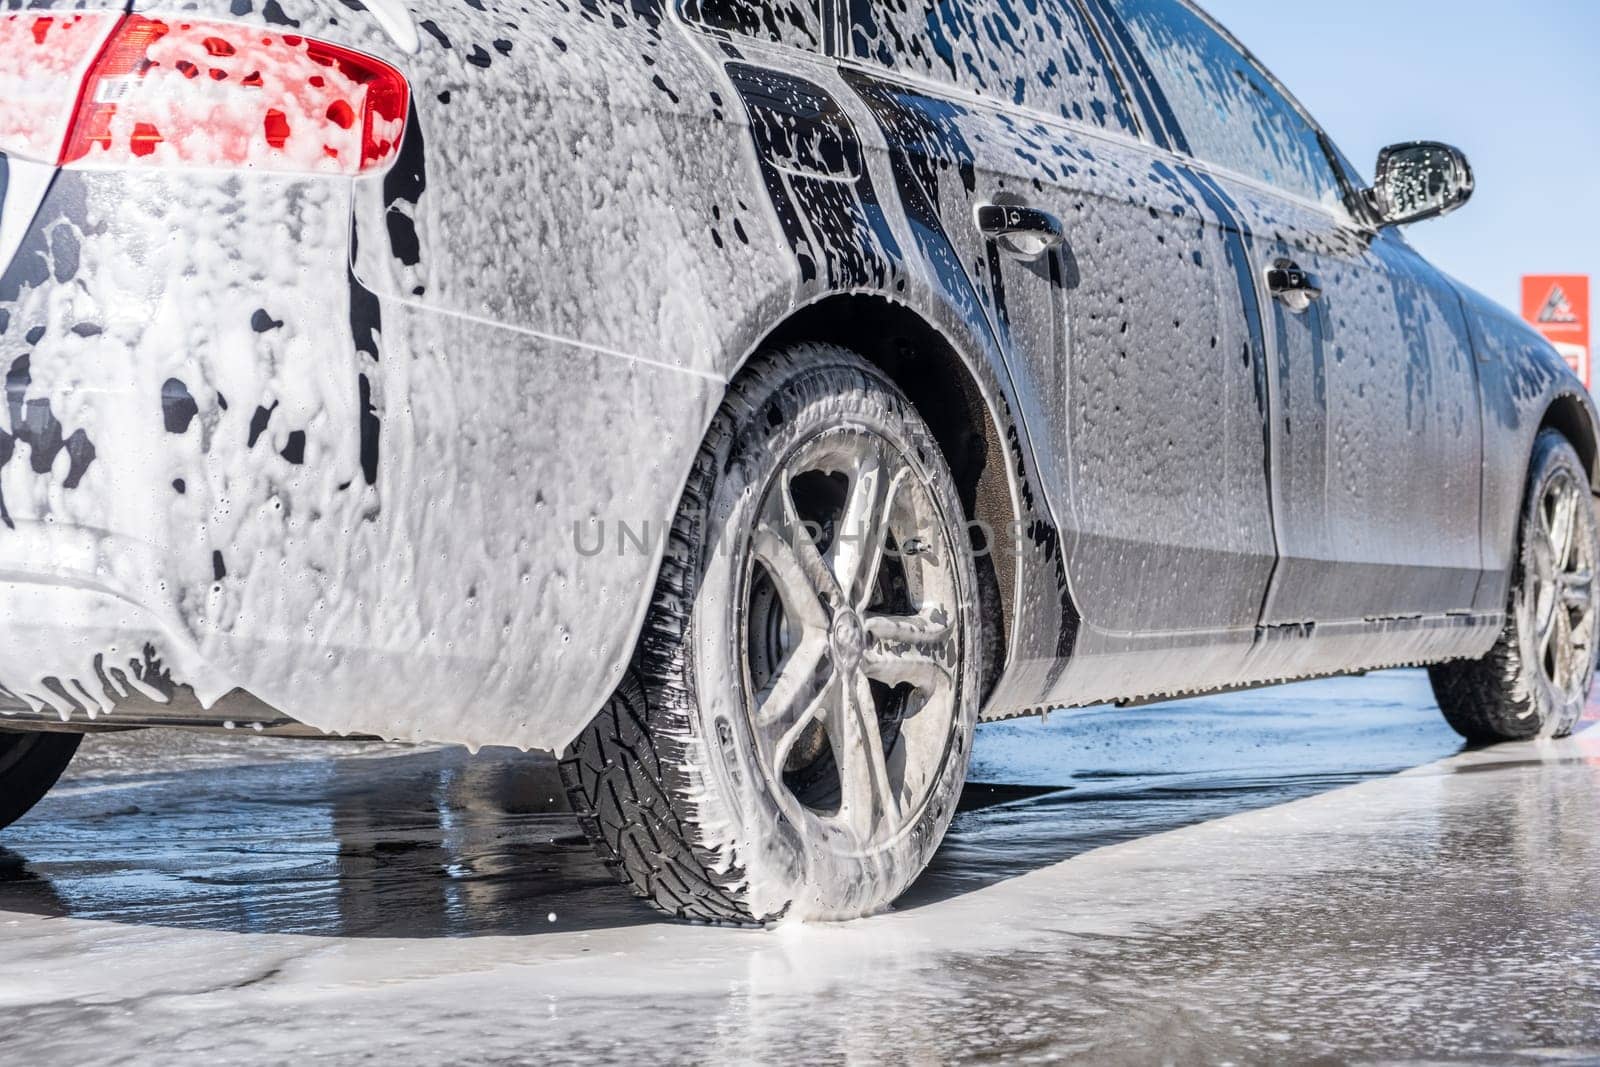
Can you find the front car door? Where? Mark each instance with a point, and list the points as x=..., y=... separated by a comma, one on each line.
x=1375, y=434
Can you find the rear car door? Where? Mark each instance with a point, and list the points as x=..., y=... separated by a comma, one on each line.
x=964, y=92
x=1146, y=421
x=1375, y=435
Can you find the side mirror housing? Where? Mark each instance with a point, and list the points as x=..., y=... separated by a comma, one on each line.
x=1419, y=180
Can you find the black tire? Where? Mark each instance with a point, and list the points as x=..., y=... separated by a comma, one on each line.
x=1522, y=689
x=673, y=780
x=30, y=764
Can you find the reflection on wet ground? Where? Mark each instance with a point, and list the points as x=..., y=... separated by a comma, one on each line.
x=358, y=840
x=370, y=843
x=1194, y=878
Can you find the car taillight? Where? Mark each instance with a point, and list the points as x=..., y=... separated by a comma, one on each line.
x=43, y=62
x=179, y=92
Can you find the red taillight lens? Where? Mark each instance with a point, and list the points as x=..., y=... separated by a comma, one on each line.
x=188, y=93
x=43, y=62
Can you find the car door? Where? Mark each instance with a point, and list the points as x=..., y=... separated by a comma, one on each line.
x=1375, y=438
x=957, y=90
x=1146, y=421
x=1376, y=428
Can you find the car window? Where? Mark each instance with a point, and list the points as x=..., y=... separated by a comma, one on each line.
x=1037, y=53
x=1231, y=113
x=792, y=22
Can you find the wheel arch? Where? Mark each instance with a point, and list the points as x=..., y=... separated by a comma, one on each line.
x=970, y=422
x=1569, y=415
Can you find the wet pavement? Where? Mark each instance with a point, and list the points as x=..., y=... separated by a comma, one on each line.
x=1316, y=872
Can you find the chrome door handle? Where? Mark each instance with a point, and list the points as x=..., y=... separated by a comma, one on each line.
x=1295, y=287
x=1025, y=232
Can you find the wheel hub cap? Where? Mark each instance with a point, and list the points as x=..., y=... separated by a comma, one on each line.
x=849, y=640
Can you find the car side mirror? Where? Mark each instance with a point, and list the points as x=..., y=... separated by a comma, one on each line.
x=1419, y=180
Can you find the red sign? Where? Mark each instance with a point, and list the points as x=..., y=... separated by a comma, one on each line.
x=1558, y=306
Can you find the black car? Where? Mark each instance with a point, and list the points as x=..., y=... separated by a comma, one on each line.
x=742, y=399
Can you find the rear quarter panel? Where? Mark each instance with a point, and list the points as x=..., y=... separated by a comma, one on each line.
x=366, y=504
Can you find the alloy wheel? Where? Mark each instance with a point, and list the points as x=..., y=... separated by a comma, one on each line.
x=851, y=637
x=1558, y=601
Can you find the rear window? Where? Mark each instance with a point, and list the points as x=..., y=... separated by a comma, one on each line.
x=1039, y=54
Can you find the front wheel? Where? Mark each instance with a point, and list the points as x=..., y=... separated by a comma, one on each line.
x=1535, y=680
x=795, y=731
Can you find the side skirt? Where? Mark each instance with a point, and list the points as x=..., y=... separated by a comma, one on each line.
x=1306, y=651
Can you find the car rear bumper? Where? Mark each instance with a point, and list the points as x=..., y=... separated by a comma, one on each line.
x=228, y=465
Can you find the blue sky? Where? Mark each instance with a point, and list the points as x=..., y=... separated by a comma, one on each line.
x=1514, y=85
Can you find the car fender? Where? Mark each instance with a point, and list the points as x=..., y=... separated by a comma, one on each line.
x=1524, y=385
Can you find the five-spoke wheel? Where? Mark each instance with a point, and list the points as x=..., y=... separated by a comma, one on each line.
x=851, y=635
x=1560, y=583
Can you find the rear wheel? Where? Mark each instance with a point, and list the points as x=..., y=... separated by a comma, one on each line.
x=30, y=763
x=795, y=731
x=1535, y=680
